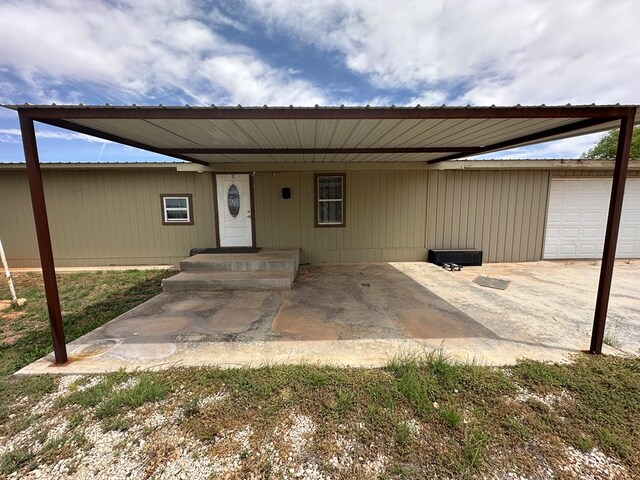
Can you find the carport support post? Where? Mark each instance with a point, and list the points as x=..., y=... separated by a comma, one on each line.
x=44, y=237
x=611, y=236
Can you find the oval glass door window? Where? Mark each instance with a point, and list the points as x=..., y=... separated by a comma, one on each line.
x=233, y=201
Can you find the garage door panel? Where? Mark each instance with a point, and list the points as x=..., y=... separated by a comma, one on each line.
x=592, y=218
x=553, y=233
x=571, y=217
x=570, y=233
x=625, y=249
x=577, y=218
x=591, y=233
x=588, y=249
x=567, y=249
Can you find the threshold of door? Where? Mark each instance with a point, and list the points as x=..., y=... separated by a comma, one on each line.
x=196, y=251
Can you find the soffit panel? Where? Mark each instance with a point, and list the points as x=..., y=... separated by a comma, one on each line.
x=316, y=158
x=141, y=131
x=323, y=133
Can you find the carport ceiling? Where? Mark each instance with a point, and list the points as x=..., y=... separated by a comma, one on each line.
x=327, y=134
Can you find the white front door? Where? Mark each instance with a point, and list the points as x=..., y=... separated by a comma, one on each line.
x=234, y=210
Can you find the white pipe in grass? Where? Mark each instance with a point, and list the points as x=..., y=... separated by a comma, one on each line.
x=7, y=272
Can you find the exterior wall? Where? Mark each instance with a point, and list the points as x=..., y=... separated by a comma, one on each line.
x=499, y=212
x=384, y=214
x=113, y=217
x=103, y=217
x=398, y=215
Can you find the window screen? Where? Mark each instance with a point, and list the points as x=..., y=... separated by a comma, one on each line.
x=330, y=200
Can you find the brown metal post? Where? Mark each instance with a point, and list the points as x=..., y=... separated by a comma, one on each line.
x=611, y=236
x=44, y=237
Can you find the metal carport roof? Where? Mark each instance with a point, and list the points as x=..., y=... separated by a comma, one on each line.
x=209, y=135
x=327, y=134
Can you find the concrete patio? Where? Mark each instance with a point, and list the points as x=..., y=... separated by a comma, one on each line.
x=363, y=315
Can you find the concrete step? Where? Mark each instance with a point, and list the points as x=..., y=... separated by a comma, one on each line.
x=221, y=280
x=243, y=262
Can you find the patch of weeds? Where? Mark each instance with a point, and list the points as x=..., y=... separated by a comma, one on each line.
x=114, y=424
x=81, y=441
x=538, y=406
x=266, y=470
x=75, y=421
x=13, y=460
x=402, y=434
x=612, y=340
x=54, y=443
x=532, y=373
x=92, y=396
x=416, y=384
x=398, y=471
x=81, y=382
x=48, y=451
x=380, y=395
x=345, y=401
x=40, y=435
x=440, y=364
x=583, y=443
x=342, y=403
x=17, y=424
x=4, y=412
x=203, y=430
x=191, y=407
x=150, y=388
x=475, y=446
x=451, y=416
x=27, y=386
x=516, y=426
x=615, y=443
x=254, y=383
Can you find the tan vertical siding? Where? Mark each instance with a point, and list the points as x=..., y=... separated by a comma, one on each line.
x=499, y=212
x=385, y=216
x=103, y=217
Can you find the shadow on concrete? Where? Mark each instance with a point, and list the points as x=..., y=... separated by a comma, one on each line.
x=328, y=302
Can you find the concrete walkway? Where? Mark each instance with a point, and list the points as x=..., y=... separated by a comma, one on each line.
x=363, y=315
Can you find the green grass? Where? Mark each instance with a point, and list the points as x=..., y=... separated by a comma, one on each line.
x=12, y=460
x=612, y=340
x=150, y=388
x=88, y=300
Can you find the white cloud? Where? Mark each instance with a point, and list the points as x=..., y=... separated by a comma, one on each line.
x=500, y=52
x=136, y=49
x=11, y=133
x=567, y=148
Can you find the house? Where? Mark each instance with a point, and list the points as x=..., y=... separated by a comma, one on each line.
x=343, y=184
x=155, y=213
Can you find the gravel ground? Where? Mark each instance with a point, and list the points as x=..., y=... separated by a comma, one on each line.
x=154, y=446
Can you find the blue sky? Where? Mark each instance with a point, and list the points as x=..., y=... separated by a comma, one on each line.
x=305, y=52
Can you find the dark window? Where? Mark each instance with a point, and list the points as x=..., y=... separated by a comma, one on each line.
x=330, y=200
x=233, y=200
x=177, y=209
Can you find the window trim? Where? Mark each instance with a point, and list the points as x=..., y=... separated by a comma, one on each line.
x=163, y=208
x=316, y=202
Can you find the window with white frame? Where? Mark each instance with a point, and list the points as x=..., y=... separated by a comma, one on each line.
x=330, y=196
x=177, y=209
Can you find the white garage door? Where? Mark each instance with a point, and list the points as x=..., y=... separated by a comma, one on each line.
x=577, y=218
